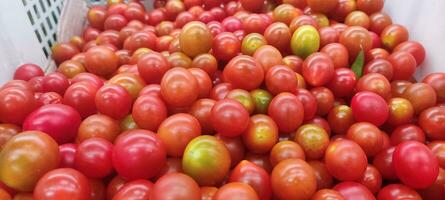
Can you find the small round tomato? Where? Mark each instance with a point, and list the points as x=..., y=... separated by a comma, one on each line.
x=195, y=39
x=63, y=183
x=7, y=131
x=115, y=22
x=71, y=68
x=232, y=24
x=67, y=155
x=183, y=18
x=253, y=175
x=131, y=82
x=318, y=69
x=376, y=83
x=172, y=165
x=313, y=139
x=152, y=66
x=358, y=18
x=338, y=53
x=140, y=189
x=278, y=35
x=179, y=59
x=368, y=136
x=204, y=82
x=55, y=82
x=207, y=160
x=324, y=179
x=226, y=46
x=229, y=117
x=407, y=132
x=101, y=61
x=294, y=63
x=343, y=82
x=414, y=48
x=432, y=121
x=235, y=147
x=340, y=119
x=201, y=110
x=326, y=194
x=435, y=191
x=305, y=41
x=37, y=83
x=81, y=96
x=261, y=99
x=328, y=35
x=254, y=23
x=268, y=57
x=220, y=91
x=438, y=148
x=383, y=161
x=437, y=82
x=309, y=103
x=394, y=35
x=322, y=6
x=325, y=100
x=287, y=111
x=261, y=134
x=179, y=88
x=138, y=154
x=206, y=62
x=376, y=53
x=149, y=111
x=369, y=107
x=280, y=79
x=140, y=40
x=27, y=71
x=244, y=72
x=252, y=5
x=301, y=21
x=285, y=13
x=354, y=191
x=371, y=179
x=286, y=150
x=114, y=186
x=243, y=97
x=415, y=164
x=404, y=65
x=252, y=42
x=345, y=160
x=16, y=104
x=379, y=21
x=398, y=192
x=113, y=101
x=400, y=111
x=236, y=191
x=356, y=39
x=175, y=186
x=381, y=66
x=93, y=158
x=63, y=51
x=88, y=77
x=398, y=87
x=421, y=95
x=303, y=184
x=100, y=126
x=26, y=157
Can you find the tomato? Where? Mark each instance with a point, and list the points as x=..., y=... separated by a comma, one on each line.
x=26, y=157
x=400, y=111
x=261, y=134
x=152, y=66
x=421, y=96
x=322, y=6
x=340, y=119
x=179, y=88
x=97, y=189
x=303, y=182
x=318, y=69
x=261, y=99
x=55, y=82
x=309, y=103
x=355, y=39
x=244, y=72
x=201, y=110
x=63, y=183
x=140, y=40
x=113, y=101
x=206, y=160
x=138, y=154
x=358, y=18
x=7, y=131
x=324, y=179
x=101, y=61
x=88, y=77
x=327, y=194
x=432, y=122
x=252, y=42
x=195, y=39
x=325, y=100
x=345, y=160
x=173, y=8
x=376, y=83
x=369, y=107
x=313, y=139
x=371, y=179
x=438, y=148
x=226, y=46
x=379, y=21
x=243, y=97
x=398, y=87
x=305, y=41
x=254, y=23
x=383, y=162
x=236, y=191
x=63, y=51
x=100, y=126
x=268, y=57
x=415, y=164
x=338, y=54
x=285, y=13
x=253, y=175
x=328, y=35
x=23, y=196
x=156, y=16
x=261, y=160
x=37, y=83
x=280, y=79
x=301, y=21
x=179, y=59
x=133, y=83
x=404, y=65
x=229, y=117
x=354, y=191
x=175, y=186
x=232, y=24
x=115, y=22
x=235, y=147
x=67, y=154
x=114, y=186
x=207, y=193
x=184, y=18
x=294, y=63
x=397, y=192
x=436, y=81
x=204, y=81
x=381, y=66
x=394, y=35
x=220, y=91
x=286, y=150
x=93, y=157
x=343, y=82
x=436, y=190
x=206, y=62
x=27, y=71
x=81, y=96
x=16, y=104
x=414, y=48
x=287, y=111
x=71, y=68
x=172, y=165
x=90, y=33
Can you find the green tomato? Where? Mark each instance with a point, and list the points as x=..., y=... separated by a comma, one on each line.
x=261, y=99
x=305, y=41
x=251, y=43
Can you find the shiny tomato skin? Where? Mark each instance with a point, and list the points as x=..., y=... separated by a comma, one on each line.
x=88, y=77
x=305, y=40
x=175, y=186
x=278, y=35
x=55, y=82
x=383, y=161
x=438, y=148
x=179, y=88
x=325, y=100
x=394, y=35
x=101, y=61
x=324, y=179
x=229, y=117
x=235, y=146
x=149, y=111
x=113, y=101
x=62, y=183
x=338, y=53
x=340, y=119
x=421, y=95
x=27, y=71
x=343, y=82
x=226, y=46
x=318, y=69
x=114, y=186
x=313, y=139
x=404, y=65
x=303, y=184
x=195, y=39
x=356, y=38
x=207, y=193
x=93, y=158
x=309, y=103
x=63, y=51
x=140, y=40
x=140, y=189
x=67, y=155
x=251, y=42
x=345, y=160
x=354, y=191
x=261, y=134
x=16, y=104
x=407, y=132
x=254, y=23
x=432, y=122
x=397, y=192
x=236, y=191
x=152, y=66
x=81, y=96
x=204, y=82
x=381, y=66
x=280, y=79
x=436, y=80
x=206, y=62
x=436, y=190
x=414, y=48
x=415, y=164
x=268, y=57
x=253, y=175
x=287, y=111
x=201, y=110
x=220, y=91
x=327, y=194
x=368, y=136
x=286, y=150
x=138, y=154
x=369, y=107
x=59, y=121
x=371, y=179
x=37, y=83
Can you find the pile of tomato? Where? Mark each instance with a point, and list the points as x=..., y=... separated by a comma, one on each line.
x=227, y=100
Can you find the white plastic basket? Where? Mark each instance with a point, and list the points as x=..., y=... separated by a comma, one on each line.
x=30, y=27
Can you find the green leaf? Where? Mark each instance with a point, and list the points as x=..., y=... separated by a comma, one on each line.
x=357, y=66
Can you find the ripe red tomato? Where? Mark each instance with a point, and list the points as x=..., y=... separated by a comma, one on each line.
x=254, y=23
x=138, y=154
x=244, y=72
x=435, y=191
x=179, y=88
x=114, y=186
x=16, y=104
x=354, y=191
x=113, y=101
x=149, y=112
x=63, y=183
x=55, y=82
x=27, y=71
x=175, y=186
x=207, y=193
x=358, y=18
x=236, y=191
x=432, y=121
x=397, y=192
x=226, y=46
x=407, y=132
x=152, y=67
x=371, y=179
x=140, y=189
x=369, y=107
x=93, y=158
x=325, y=100
x=268, y=57
x=115, y=22
x=280, y=79
x=438, y=148
x=415, y=164
x=229, y=117
x=318, y=69
x=57, y=120
x=286, y=150
x=326, y=194
x=343, y=82
x=383, y=161
x=340, y=119
x=101, y=61
x=303, y=184
x=206, y=62
x=404, y=65
x=287, y=111
x=81, y=96
x=374, y=82
x=201, y=110
x=381, y=66
x=436, y=80
x=368, y=136
x=67, y=155
x=253, y=175
x=421, y=95
x=355, y=39
x=414, y=48
x=345, y=160
x=309, y=103
x=88, y=77
x=394, y=35
x=204, y=82
x=278, y=35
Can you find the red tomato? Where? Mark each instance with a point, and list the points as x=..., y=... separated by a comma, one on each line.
x=81, y=96
x=369, y=107
x=383, y=162
x=381, y=66
x=244, y=72
x=229, y=117
x=338, y=54
x=184, y=18
x=232, y=24
x=152, y=67
x=303, y=184
x=293, y=62
x=115, y=22
x=27, y=71
x=376, y=83
x=16, y=104
x=195, y=38
x=63, y=183
x=201, y=110
x=254, y=23
x=179, y=88
x=432, y=121
x=368, y=136
x=406, y=133
x=207, y=193
x=55, y=82
x=88, y=77
x=328, y=35
x=268, y=57
x=404, y=65
x=278, y=35
x=371, y=179
x=114, y=186
x=253, y=175
x=394, y=35
x=355, y=39
x=345, y=160
x=67, y=155
x=280, y=79
x=97, y=188
x=354, y=191
x=93, y=158
x=113, y=101
x=138, y=154
x=415, y=164
x=421, y=95
x=286, y=150
x=340, y=119
x=220, y=91
x=436, y=81
x=287, y=111
x=101, y=61
x=309, y=103
x=226, y=46
x=63, y=51
x=204, y=82
x=235, y=147
x=326, y=194
x=397, y=192
x=318, y=69
x=140, y=40
x=59, y=121
x=37, y=83
x=261, y=135
x=436, y=190
x=325, y=100
x=438, y=148
x=137, y=189
x=149, y=112
x=343, y=82
x=414, y=48
x=252, y=5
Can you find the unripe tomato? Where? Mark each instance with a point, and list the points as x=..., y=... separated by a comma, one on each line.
x=305, y=41
x=195, y=39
